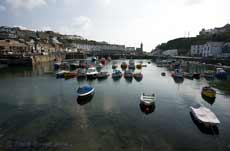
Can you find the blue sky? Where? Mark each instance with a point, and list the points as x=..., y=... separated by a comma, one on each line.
x=128, y=22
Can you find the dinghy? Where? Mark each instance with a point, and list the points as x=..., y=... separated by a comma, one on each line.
x=91, y=73
x=204, y=115
x=147, y=99
x=85, y=91
x=116, y=74
x=208, y=92
x=128, y=74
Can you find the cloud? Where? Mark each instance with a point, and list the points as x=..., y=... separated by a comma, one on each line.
x=106, y=2
x=2, y=8
x=25, y=4
x=79, y=25
x=82, y=22
x=193, y=2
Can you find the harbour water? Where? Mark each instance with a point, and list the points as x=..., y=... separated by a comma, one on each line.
x=41, y=112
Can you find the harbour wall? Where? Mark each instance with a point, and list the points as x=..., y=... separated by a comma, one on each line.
x=213, y=61
x=46, y=58
x=18, y=60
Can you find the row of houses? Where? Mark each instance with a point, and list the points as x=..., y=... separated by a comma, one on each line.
x=20, y=47
x=103, y=47
x=211, y=49
x=96, y=47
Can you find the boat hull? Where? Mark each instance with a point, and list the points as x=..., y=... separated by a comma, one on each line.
x=91, y=76
x=82, y=100
x=204, y=115
x=70, y=75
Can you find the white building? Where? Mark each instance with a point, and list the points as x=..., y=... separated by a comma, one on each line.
x=97, y=47
x=212, y=49
x=196, y=50
x=209, y=49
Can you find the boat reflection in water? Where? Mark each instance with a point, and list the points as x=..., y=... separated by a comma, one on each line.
x=138, y=79
x=213, y=130
x=178, y=80
x=147, y=109
x=129, y=80
x=208, y=99
x=82, y=100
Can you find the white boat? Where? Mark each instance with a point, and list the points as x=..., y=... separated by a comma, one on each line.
x=204, y=115
x=147, y=99
x=91, y=72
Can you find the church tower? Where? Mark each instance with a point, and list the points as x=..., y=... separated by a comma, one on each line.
x=142, y=47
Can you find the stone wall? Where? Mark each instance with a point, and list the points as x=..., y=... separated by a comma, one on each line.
x=46, y=58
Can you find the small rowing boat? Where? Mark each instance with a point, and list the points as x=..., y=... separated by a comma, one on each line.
x=147, y=99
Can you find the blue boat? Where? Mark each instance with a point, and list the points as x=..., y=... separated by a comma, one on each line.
x=85, y=91
x=221, y=74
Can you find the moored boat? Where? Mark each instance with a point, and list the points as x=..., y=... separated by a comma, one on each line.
x=102, y=75
x=208, y=92
x=69, y=75
x=139, y=66
x=124, y=65
x=196, y=75
x=91, y=73
x=116, y=74
x=99, y=66
x=147, y=99
x=221, y=74
x=128, y=74
x=163, y=73
x=177, y=74
x=85, y=91
x=114, y=66
x=204, y=115
x=81, y=73
x=103, y=61
x=138, y=75
x=131, y=64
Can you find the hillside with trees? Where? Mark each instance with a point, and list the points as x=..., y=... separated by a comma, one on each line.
x=184, y=44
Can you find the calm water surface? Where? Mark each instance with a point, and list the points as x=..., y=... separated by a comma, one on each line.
x=38, y=110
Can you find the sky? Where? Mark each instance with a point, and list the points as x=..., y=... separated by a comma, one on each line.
x=127, y=22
